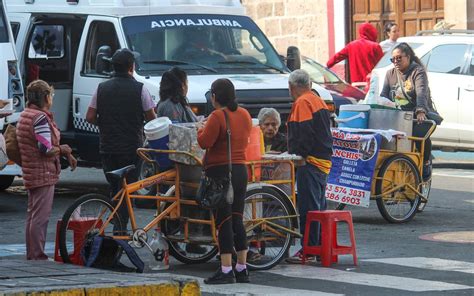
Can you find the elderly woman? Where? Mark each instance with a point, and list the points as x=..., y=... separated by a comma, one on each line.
x=38, y=140
x=269, y=121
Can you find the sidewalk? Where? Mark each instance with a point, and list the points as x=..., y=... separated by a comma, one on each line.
x=21, y=277
x=455, y=160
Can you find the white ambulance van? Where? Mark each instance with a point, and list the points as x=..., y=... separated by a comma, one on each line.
x=64, y=42
x=10, y=87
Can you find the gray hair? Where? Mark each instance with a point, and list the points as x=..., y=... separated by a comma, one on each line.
x=300, y=78
x=268, y=112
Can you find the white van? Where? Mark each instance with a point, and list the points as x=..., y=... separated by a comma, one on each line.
x=64, y=41
x=11, y=87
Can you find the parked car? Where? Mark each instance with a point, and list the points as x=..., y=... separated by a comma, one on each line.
x=449, y=60
x=342, y=92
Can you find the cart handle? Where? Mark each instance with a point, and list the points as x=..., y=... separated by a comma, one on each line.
x=143, y=153
x=428, y=134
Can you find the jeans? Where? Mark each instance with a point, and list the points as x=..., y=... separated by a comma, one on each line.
x=311, y=197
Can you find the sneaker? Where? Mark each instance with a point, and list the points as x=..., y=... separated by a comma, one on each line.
x=242, y=276
x=195, y=249
x=220, y=278
x=253, y=256
x=298, y=258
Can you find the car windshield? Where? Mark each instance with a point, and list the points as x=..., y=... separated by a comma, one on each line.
x=318, y=72
x=207, y=44
x=385, y=60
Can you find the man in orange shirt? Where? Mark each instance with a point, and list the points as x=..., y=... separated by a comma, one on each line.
x=309, y=135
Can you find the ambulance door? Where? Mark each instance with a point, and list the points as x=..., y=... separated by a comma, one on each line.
x=98, y=31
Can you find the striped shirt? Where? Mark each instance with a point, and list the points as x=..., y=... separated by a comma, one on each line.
x=43, y=133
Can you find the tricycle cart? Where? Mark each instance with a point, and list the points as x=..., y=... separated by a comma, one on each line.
x=399, y=189
x=269, y=216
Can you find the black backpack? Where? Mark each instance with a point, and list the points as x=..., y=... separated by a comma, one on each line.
x=105, y=252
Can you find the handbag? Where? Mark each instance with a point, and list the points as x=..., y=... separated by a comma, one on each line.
x=431, y=115
x=11, y=143
x=216, y=192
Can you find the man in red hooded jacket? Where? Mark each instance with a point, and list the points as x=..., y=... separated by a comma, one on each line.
x=363, y=54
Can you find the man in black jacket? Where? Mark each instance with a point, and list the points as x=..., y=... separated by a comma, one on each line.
x=120, y=106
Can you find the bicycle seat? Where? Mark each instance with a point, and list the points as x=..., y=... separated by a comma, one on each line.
x=121, y=173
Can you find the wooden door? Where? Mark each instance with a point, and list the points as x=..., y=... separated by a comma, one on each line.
x=411, y=15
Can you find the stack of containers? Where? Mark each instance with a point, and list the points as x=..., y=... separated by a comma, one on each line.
x=255, y=150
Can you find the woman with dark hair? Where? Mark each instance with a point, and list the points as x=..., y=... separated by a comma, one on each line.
x=173, y=102
x=392, y=33
x=38, y=140
x=407, y=85
x=213, y=137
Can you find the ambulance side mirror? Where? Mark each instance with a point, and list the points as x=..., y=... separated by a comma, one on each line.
x=293, y=58
x=102, y=61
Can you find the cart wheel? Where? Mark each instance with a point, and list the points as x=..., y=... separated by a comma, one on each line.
x=188, y=253
x=82, y=221
x=267, y=243
x=425, y=190
x=401, y=205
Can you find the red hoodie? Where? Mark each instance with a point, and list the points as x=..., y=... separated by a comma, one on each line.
x=363, y=54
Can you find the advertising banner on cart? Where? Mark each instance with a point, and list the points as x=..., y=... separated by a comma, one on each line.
x=353, y=163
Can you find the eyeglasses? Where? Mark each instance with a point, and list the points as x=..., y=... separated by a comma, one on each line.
x=397, y=58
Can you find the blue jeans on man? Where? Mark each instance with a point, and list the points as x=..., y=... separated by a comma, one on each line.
x=311, y=197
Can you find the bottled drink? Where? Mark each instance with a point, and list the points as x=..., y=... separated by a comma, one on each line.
x=159, y=258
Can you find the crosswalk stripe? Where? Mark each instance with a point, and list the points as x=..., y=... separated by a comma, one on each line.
x=428, y=263
x=366, y=279
x=250, y=289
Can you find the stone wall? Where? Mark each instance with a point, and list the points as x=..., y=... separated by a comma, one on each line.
x=460, y=13
x=302, y=23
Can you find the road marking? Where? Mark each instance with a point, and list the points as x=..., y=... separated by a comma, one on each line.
x=429, y=263
x=366, y=279
x=250, y=289
x=454, y=174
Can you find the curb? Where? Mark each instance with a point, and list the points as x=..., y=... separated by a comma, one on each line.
x=174, y=288
x=454, y=165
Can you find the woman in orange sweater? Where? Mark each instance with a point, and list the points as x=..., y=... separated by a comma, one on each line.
x=213, y=137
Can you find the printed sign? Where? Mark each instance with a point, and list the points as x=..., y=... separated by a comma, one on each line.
x=353, y=164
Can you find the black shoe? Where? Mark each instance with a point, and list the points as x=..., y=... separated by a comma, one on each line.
x=220, y=278
x=195, y=249
x=243, y=276
x=427, y=170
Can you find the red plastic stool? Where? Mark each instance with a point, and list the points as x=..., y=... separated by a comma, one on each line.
x=329, y=249
x=79, y=228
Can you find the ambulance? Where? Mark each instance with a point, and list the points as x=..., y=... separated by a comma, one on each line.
x=67, y=43
x=11, y=87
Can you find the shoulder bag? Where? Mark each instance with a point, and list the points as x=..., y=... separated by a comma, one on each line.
x=11, y=143
x=431, y=115
x=216, y=192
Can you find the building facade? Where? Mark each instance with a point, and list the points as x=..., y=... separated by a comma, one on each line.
x=319, y=28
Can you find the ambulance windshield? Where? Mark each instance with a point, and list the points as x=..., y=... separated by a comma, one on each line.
x=206, y=44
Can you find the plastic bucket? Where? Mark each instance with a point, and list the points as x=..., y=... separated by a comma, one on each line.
x=157, y=135
x=353, y=116
x=254, y=151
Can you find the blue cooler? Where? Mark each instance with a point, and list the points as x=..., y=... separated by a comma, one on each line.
x=157, y=135
x=353, y=116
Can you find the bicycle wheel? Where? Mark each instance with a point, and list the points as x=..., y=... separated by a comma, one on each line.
x=82, y=221
x=200, y=249
x=400, y=205
x=268, y=243
x=425, y=190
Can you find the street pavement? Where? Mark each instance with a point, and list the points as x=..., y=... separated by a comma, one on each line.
x=431, y=255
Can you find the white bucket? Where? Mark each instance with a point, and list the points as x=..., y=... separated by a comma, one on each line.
x=157, y=128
